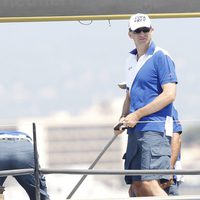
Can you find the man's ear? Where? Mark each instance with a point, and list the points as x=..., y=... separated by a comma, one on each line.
x=130, y=35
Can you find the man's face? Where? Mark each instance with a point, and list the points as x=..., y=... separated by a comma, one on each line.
x=141, y=36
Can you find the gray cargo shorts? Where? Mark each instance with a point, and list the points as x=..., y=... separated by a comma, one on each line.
x=146, y=151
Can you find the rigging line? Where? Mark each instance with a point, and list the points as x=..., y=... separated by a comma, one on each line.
x=84, y=23
x=163, y=121
x=138, y=122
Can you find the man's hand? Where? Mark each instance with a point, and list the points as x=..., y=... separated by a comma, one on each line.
x=119, y=127
x=131, y=120
x=166, y=184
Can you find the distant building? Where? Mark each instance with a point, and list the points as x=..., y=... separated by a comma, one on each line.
x=80, y=145
x=75, y=142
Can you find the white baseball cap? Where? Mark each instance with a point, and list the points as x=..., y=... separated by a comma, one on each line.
x=139, y=20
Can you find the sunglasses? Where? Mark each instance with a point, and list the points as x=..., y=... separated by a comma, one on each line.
x=143, y=29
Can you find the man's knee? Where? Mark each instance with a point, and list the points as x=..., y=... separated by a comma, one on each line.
x=131, y=191
x=141, y=184
x=144, y=187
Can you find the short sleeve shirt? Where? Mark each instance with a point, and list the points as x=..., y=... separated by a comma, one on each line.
x=145, y=78
x=177, y=128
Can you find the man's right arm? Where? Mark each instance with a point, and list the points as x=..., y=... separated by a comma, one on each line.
x=175, y=148
x=125, y=112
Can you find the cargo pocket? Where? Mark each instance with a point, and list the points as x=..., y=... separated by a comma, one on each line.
x=160, y=157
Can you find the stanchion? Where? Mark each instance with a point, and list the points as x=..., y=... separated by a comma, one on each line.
x=36, y=169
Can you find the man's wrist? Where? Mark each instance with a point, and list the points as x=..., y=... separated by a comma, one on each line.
x=139, y=114
x=122, y=116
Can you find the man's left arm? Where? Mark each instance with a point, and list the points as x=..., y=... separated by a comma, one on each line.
x=165, y=98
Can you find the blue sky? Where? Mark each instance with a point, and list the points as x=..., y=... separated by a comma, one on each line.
x=48, y=67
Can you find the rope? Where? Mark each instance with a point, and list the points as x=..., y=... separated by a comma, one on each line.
x=139, y=122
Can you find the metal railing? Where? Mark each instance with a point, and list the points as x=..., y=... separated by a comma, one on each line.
x=36, y=171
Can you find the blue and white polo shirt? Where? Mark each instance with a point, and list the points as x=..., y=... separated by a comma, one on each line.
x=177, y=128
x=144, y=79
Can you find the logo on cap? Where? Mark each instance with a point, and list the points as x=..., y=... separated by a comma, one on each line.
x=140, y=18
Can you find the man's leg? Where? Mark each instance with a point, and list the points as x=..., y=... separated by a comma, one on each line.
x=25, y=159
x=153, y=152
x=28, y=183
x=173, y=189
x=147, y=188
x=5, y=161
x=2, y=180
x=131, y=192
